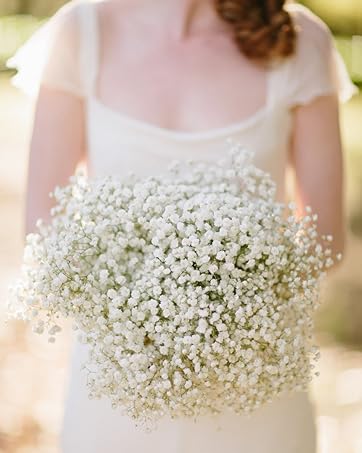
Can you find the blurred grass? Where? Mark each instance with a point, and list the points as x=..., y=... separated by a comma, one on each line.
x=343, y=16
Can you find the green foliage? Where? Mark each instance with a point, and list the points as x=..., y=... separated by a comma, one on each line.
x=351, y=51
x=343, y=16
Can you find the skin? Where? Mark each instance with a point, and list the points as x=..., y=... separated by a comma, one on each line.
x=174, y=36
x=317, y=160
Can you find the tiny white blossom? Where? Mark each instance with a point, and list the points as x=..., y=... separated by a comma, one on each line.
x=193, y=291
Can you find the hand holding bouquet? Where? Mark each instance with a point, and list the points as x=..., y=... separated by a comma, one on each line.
x=195, y=290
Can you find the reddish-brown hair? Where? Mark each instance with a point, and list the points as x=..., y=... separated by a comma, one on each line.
x=263, y=29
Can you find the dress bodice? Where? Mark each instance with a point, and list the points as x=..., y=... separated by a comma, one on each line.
x=119, y=144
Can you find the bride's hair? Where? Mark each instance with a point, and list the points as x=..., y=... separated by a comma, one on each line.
x=263, y=29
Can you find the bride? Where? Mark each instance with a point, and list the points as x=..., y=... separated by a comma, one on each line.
x=129, y=85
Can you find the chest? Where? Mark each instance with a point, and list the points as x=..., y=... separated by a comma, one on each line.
x=195, y=85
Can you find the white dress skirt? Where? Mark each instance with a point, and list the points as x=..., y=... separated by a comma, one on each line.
x=118, y=144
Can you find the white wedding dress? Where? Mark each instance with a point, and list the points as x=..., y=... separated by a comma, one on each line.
x=118, y=144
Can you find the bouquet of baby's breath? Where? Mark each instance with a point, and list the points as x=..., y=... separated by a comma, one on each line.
x=195, y=290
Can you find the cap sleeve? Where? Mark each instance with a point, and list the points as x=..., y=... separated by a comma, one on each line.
x=317, y=67
x=51, y=55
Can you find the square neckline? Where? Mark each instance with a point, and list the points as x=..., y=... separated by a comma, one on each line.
x=180, y=134
x=91, y=21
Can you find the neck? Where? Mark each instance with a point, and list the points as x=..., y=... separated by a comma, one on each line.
x=180, y=19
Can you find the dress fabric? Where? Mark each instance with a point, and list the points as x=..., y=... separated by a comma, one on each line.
x=118, y=144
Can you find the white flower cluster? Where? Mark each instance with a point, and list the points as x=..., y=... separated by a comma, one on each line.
x=195, y=290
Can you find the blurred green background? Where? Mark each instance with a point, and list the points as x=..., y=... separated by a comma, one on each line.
x=30, y=409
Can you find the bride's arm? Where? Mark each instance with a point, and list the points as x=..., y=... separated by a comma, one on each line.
x=49, y=68
x=57, y=146
x=317, y=81
x=317, y=159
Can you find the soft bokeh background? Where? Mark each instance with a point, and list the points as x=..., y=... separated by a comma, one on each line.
x=33, y=373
